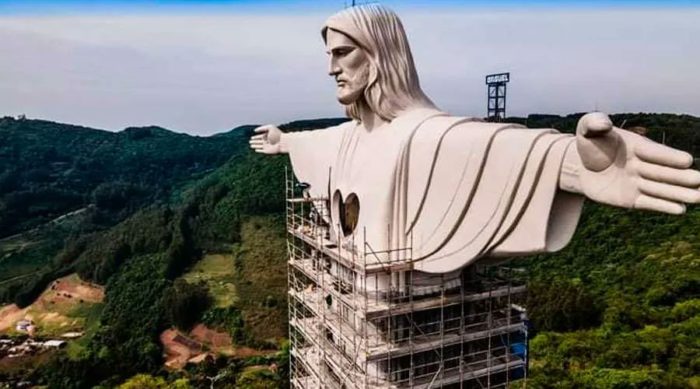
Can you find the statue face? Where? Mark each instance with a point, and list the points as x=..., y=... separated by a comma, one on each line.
x=348, y=64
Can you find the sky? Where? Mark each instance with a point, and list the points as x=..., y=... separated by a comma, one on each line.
x=206, y=66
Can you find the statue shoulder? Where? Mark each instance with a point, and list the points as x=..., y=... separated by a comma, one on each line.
x=325, y=131
x=338, y=128
x=474, y=123
x=448, y=133
x=350, y=124
x=439, y=127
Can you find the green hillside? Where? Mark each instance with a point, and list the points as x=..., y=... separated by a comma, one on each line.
x=619, y=308
x=49, y=169
x=141, y=261
x=60, y=182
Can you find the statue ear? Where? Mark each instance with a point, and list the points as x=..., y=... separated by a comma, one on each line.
x=373, y=91
x=373, y=73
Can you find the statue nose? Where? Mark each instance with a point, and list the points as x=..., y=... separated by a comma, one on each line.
x=333, y=68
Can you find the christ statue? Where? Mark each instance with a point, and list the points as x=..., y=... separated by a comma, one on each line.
x=457, y=189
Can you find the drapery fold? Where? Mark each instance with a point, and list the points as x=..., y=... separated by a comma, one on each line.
x=460, y=189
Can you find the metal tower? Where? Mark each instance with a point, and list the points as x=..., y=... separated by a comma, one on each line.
x=496, y=106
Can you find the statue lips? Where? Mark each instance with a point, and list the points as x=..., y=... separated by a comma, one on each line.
x=348, y=211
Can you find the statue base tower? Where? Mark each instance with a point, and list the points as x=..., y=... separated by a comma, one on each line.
x=359, y=319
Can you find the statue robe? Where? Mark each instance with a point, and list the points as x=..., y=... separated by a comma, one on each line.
x=440, y=190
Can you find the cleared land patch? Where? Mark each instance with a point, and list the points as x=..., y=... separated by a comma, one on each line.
x=63, y=307
x=195, y=346
x=9, y=315
x=219, y=274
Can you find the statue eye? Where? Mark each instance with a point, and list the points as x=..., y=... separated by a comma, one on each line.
x=343, y=51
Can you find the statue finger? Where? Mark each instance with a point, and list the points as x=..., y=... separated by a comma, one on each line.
x=594, y=124
x=684, y=177
x=259, y=136
x=657, y=153
x=264, y=128
x=257, y=142
x=659, y=205
x=669, y=192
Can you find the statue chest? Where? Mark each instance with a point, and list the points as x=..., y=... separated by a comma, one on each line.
x=362, y=183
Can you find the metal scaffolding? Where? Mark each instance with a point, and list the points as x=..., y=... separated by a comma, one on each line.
x=358, y=319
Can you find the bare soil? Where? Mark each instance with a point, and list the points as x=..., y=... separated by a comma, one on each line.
x=10, y=315
x=216, y=340
x=52, y=309
x=78, y=289
x=178, y=354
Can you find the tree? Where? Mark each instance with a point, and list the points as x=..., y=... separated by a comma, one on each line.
x=145, y=381
x=186, y=302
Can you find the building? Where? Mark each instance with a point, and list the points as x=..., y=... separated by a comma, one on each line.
x=24, y=325
x=365, y=319
x=55, y=343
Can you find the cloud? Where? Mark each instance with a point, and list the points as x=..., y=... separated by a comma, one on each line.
x=205, y=73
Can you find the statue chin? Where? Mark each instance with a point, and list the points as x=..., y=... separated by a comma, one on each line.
x=349, y=98
x=344, y=100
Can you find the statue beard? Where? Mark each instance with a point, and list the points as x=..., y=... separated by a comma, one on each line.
x=358, y=82
x=356, y=102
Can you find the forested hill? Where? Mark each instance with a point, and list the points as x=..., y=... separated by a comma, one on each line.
x=153, y=217
x=620, y=306
x=680, y=131
x=48, y=169
x=141, y=217
x=60, y=183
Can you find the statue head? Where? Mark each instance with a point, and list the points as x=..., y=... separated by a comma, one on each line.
x=381, y=76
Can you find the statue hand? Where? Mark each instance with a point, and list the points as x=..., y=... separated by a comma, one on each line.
x=268, y=140
x=624, y=169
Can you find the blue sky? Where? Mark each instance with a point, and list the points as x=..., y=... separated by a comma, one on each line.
x=205, y=67
x=140, y=6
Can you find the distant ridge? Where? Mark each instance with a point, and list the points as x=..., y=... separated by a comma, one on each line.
x=295, y=125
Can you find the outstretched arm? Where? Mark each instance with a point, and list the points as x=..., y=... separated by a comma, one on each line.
x=269, y=140
x=617, y=167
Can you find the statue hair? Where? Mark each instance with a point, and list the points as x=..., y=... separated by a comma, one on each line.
x=393, y=84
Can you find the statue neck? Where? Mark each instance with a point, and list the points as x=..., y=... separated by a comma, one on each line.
x=368, y=118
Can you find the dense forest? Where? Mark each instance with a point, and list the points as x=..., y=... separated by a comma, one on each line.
x=136, y=210
x=620, y=306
